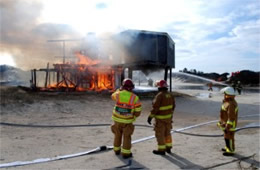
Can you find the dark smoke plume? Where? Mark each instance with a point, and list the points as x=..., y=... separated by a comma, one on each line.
x=25, y=38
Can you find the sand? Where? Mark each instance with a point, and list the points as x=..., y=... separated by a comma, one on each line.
x=189, y=152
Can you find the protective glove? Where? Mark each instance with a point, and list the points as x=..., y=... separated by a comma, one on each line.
x=221, y=125
x=227, y=128
x=149, y=119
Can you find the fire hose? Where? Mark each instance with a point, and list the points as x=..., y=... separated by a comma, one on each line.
x=93, y=125
x=103, y=148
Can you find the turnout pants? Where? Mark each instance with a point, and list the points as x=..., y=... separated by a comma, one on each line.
x=229, y=137
x=163, y=134
x=122, y=130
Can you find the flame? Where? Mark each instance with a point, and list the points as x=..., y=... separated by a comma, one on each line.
x=102, y=78
x=86, y=60
x=86, y=75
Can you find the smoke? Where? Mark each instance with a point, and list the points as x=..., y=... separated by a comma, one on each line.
x=106, y=47
x=132, y=47
x=25, y=38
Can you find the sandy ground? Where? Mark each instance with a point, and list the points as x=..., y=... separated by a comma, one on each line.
x=189, y=152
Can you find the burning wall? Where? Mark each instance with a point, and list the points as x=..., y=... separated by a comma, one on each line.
x=86, y=75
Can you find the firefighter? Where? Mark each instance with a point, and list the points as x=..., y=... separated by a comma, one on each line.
x=210, y=86
x=126, y=110
x=239, y=87
x=234, y=85
x=162, y=111
x=228, y=120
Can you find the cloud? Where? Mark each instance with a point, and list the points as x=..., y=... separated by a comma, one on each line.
x=205, y=33
x=225, y=37
x=229, y=53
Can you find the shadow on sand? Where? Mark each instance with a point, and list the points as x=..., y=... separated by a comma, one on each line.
x=253, y=164
x=181, y=162
x=129, y=164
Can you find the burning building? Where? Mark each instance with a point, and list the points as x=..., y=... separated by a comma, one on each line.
x=143, y=50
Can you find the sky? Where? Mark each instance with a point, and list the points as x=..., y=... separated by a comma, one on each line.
x=210, y=36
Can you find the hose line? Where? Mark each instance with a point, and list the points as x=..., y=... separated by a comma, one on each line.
x=62, y=126
x=94, y=125
x=101, y=148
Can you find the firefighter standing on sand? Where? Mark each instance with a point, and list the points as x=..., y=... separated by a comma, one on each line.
x=127, y=108
x=163, y=107
x=228, y=120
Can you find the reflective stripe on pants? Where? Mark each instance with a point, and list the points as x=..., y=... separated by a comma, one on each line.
x=229, y=137
x=163, y=133
x=122, y=130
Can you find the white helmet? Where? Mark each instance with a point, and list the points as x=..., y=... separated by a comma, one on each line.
x=228, y=91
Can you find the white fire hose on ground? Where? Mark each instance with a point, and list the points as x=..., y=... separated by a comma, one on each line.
x=103, y=148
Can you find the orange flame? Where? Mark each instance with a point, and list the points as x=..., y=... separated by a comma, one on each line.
x=86, y=60
x=86, y=75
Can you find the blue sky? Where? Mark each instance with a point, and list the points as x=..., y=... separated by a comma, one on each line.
x=210, y=36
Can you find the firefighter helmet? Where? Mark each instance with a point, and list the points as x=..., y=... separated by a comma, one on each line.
x=128, y=84
x=228, y=91
x=161, y=84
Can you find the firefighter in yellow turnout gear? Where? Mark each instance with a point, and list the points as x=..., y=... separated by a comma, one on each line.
x=163, y=107
x=228, y=120
x=126, y=110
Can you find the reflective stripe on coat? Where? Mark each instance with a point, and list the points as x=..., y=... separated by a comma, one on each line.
x=229, y=113
x=127, y=107
x=163, y=105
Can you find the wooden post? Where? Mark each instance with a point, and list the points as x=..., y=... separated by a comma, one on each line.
x=49, y=79
x=47, y=74
x=34, y=83
x=58, y=77
x=31, y=81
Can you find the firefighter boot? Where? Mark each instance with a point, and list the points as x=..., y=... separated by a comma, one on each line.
x=156, y=152
x=224, y=149
x=125, y=156
x=228, y=153
x=228, y=149
x=117, y=152
x=168, y=150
